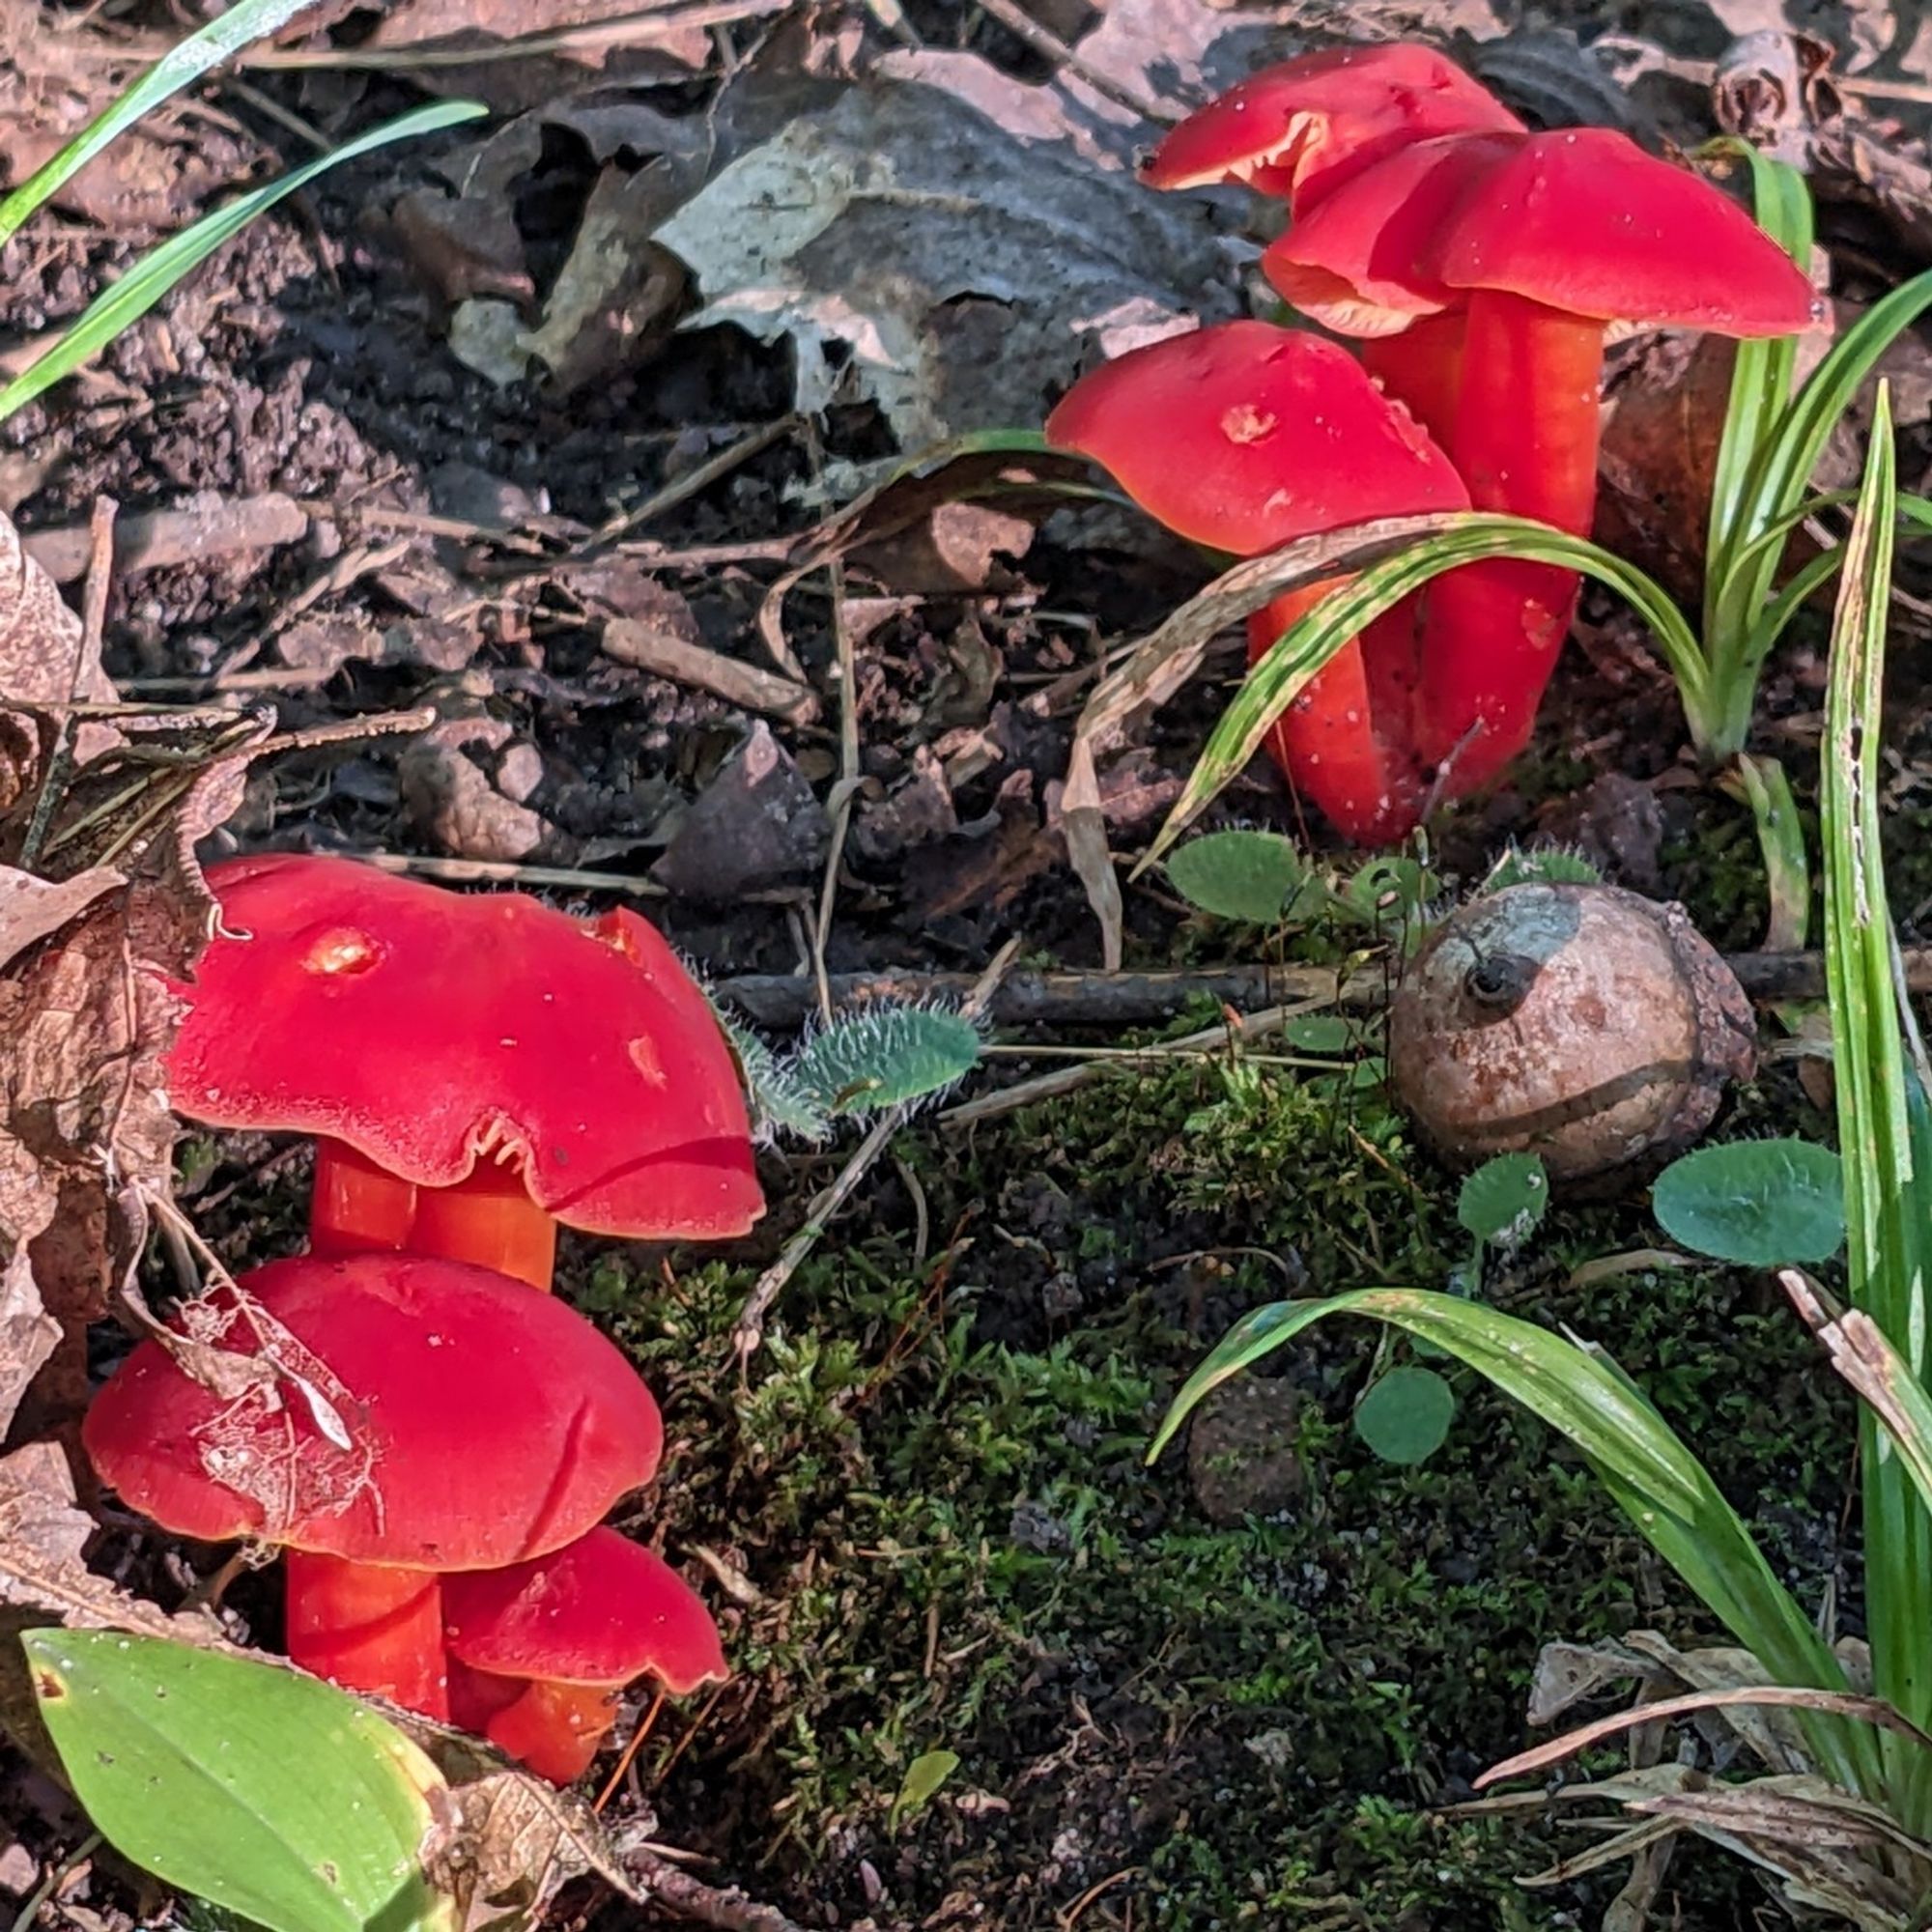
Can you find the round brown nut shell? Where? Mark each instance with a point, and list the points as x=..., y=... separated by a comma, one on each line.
x=1586, y=1024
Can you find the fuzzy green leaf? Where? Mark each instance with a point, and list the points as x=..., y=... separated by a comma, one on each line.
x=1405, y=1416
x=1504, y=1199
x=886, y=1057
x=271, y=1794
x=1240, y=876
x=1760, y=1204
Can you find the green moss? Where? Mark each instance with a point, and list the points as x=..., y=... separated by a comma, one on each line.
x=933, y=1480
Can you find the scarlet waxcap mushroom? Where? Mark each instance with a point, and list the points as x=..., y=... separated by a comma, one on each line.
x=1544, y=243
x=445, y=1037
x=1244, y=437
x=413, y=1417
x=1302, y=128
x=546, y=1646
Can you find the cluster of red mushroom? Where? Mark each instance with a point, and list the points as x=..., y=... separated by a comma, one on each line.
x=1481, y=266
x=430, y=1436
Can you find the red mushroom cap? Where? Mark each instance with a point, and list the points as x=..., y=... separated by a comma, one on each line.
x=1586, y=221
x=425, y=1028
x=1299, y=129
x=485, y=1425
x=1583, y=220
x=1244, y=437
x=1360, y=262
x=599, y=1611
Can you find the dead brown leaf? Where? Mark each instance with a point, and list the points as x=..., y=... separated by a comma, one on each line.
x=506, y=1843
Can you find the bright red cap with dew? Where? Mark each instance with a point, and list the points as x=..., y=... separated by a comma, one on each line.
x=1360, y=262
x=1244, y=437
x=1585, y=221
x=1302, y=128
x=426, y=1028
x=602, y=1610
x=483, y=1425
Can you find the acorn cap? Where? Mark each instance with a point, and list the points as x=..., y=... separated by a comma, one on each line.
x=427, y=1028
x=483, y=1425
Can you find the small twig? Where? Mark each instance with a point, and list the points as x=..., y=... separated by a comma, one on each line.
x=158, y=538
x=724, y=1906
x=57, y=1876
x=653, y=648
x=1070, y=1079
x=1023, y=27
x=645, y=1726
x=640, y=29
x=349, y=731
x=681, y=488
x=286, y=118
x=100, y=575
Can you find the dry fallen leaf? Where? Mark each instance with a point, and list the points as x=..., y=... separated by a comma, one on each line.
x=917, y=254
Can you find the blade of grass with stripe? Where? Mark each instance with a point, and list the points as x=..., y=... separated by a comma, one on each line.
x=1882, y=1115
x=1661, y=1485
x=220, y=39
x=131, y=297
x=1272, y=684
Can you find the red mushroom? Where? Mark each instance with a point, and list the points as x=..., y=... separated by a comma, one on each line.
x=477, y=1068
x=1244, y=437
x=541, y=1651
x=413, y=1417
x=1302, y=128
x=1544, y=243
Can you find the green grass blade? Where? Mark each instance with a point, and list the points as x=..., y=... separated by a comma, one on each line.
x=1301, y=651
x=1887, y=1195
x=1762, y=373
x=156, y=273
x=1765, y=787
x=1666, y=1491
x=180, y=67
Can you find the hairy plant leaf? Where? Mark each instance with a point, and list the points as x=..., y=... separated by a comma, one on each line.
x=271, y=1794
x=1241, y=875
x=1503, y=1201
x=779, y=1101
x=886, y=1057
x=1761, y=1203
x=1405, y=1416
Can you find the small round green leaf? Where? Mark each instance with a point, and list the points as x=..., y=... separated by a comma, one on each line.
x=1504, y=1199
x=1762, y=1204
x=274, y=1795
x=1405, y=1416
x=1241, y=875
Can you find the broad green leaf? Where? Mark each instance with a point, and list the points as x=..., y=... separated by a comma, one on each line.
x=1306, y=647
x=1881, y=1103
x=1760, y=1204
x=1405, y=1416
x=886, y=1057
x=1321, y=1033
x=1503, y=1201
x=130, y=299
x=220, y=39
x=271, y=1794
x=1240, y=876
x=924, y=1775
x=1666, y=1491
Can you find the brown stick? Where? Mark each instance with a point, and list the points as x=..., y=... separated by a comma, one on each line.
x=158, y=538
x=779, y=1000
x=724, y=1906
